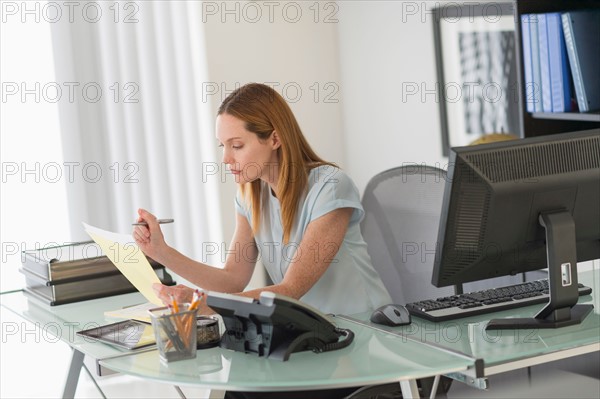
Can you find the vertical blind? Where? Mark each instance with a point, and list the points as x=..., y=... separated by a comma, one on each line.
x=143, y=140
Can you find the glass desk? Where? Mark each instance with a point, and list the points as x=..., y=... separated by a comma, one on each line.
x=460, y=348
x=506, y=350
x=375, y=357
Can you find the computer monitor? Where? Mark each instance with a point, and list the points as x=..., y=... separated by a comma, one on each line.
x=522, y=205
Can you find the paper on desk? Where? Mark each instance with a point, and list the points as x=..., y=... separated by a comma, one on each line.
x=136, y=312
x=127, y=256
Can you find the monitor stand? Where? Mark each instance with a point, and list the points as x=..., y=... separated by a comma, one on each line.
x=562, y=310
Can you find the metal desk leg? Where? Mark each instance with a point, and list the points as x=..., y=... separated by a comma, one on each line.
x=94, y=381
x=434, y=388
x=409, y=389
x=180, y=392
x=73, y=374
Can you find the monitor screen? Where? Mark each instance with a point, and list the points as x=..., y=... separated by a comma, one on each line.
x=494, y=197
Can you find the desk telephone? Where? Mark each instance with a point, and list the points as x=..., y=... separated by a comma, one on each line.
x=275, y=326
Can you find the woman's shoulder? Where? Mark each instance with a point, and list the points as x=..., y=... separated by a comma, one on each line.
x=329, y=178
x=331, y=188
x=327, y=174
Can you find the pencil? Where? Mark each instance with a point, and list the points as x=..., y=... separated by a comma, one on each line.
x=179, y=327
x=174, y=303
x=190, y=321
x=196, y=300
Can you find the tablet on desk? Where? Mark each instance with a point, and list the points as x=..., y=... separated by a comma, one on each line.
x=128, y=334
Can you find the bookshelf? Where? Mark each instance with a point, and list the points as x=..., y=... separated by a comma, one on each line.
x=541, y=123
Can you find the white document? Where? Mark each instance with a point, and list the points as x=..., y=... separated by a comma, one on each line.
x=127, y=256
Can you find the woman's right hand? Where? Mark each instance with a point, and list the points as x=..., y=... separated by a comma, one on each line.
x=149, y=238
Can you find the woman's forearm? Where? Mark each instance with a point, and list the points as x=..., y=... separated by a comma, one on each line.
x=204, y=276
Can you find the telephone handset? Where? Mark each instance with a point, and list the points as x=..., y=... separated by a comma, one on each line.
x=275, y=325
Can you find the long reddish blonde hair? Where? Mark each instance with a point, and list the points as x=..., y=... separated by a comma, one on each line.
x=264, y=111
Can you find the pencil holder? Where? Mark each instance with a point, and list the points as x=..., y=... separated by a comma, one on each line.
x=175, y=333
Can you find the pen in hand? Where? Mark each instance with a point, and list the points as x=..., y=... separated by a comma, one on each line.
x=160, y=221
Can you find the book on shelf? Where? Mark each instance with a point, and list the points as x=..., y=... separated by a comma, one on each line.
x=559, y=66
x=530, y=89
x=544, y=63
x=582, y=38
x=535, y=61
x=560, y=59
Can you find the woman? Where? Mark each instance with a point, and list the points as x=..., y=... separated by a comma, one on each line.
x=299, y=213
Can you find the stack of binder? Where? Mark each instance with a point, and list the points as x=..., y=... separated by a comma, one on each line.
x=76, y=272
x=561, y=52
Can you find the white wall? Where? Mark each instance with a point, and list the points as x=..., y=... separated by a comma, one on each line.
x=383, y=46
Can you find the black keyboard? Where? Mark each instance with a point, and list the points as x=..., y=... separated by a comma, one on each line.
x=486, y=301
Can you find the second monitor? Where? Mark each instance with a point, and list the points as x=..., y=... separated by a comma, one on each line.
x=518, y=206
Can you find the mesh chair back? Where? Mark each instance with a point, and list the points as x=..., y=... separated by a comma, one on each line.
x=402, y=212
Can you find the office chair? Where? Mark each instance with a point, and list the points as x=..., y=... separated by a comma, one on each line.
x=402, y=212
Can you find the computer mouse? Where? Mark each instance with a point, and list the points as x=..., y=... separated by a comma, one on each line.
x=391, y=315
